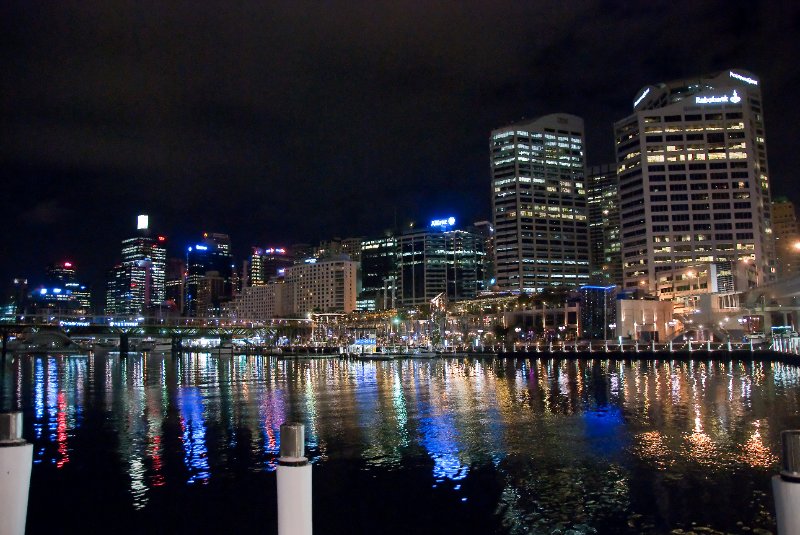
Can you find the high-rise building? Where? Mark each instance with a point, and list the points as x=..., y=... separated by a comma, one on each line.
x=378, y=273
x=604, y=245
x=61, y=291
x=326, y=285
x=267, y=263
x=209, y=275
x=539, y=204
x=16, y=297
x=438, y=260
x=485, y=230
x=693, y=180
x=175, y=284
x=787, y=237
x=338, y=246
x=128, y=285
x=598, y=311
x=137, y=283
x=264, y=302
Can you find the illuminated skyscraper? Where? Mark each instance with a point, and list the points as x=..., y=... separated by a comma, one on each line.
x=439, y=260
x=327, y=285
x=137, y=283
x=693, y=181
x=539, y=204
x=378, y=273
x=602, y=188
x=267, y=263
x=61, y=291
x=209, y=275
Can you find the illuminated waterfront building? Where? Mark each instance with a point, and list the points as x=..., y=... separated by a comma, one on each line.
x=438, y=260
x=137, y=283
x=693, y=179
x=604, y=245
x=209, y=275
x=264, y=302
x=539, y=204
x=598, y=312
x=787, y=237
x=378, y=273
x=326, y=285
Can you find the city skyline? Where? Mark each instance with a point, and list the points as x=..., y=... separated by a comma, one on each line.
x=374, y=116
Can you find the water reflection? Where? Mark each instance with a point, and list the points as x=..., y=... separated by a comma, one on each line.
x=569, y=439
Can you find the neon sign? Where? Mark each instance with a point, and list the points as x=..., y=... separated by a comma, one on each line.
x=745, y=79
x=641, y=97
x=724, y=99
x=449, y=222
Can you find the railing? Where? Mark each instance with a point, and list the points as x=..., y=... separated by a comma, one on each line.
x=790, y=346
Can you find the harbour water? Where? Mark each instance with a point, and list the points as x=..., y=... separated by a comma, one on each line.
x=189, y=444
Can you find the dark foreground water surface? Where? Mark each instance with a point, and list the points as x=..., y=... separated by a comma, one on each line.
x=154, y=444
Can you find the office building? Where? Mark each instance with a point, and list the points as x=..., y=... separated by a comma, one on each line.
x=438, y=261
x=787, y=237
x=128, y=287
x=267, y=263
x=175, y=284
x=327, y=285
x=17, y=297
x=693, y=180
x=210, y=279
x=485, y=230
x=539, y=204
x=598, y=312
x=137, y=283
x=61, y=292
x=264, y=302
x=604, y=243
x=378, y=274
x=338, y=246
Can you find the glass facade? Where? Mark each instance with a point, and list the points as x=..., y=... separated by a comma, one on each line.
x=434, y=262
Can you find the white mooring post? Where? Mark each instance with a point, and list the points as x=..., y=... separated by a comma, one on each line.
x=16, y=460
x=294, y=482
x=786, y=486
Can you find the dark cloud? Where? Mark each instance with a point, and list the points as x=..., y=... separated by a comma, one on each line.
x=299, y=121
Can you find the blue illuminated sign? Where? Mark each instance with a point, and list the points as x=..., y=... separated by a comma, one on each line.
x=443, y=223
x=201, y=247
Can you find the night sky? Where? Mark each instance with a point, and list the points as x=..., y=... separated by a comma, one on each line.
x=301, y=121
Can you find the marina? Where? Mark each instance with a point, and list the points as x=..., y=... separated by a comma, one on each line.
x=188, y=443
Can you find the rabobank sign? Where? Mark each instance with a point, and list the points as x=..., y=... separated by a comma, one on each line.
x=734, y=98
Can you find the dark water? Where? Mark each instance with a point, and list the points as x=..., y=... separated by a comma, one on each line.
x=162, y=445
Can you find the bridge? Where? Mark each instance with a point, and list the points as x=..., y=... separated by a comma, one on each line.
x=177, y=329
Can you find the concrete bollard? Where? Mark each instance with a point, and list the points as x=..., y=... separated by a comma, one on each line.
x=16, y=460
x=294, y=482
x=786, y=486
